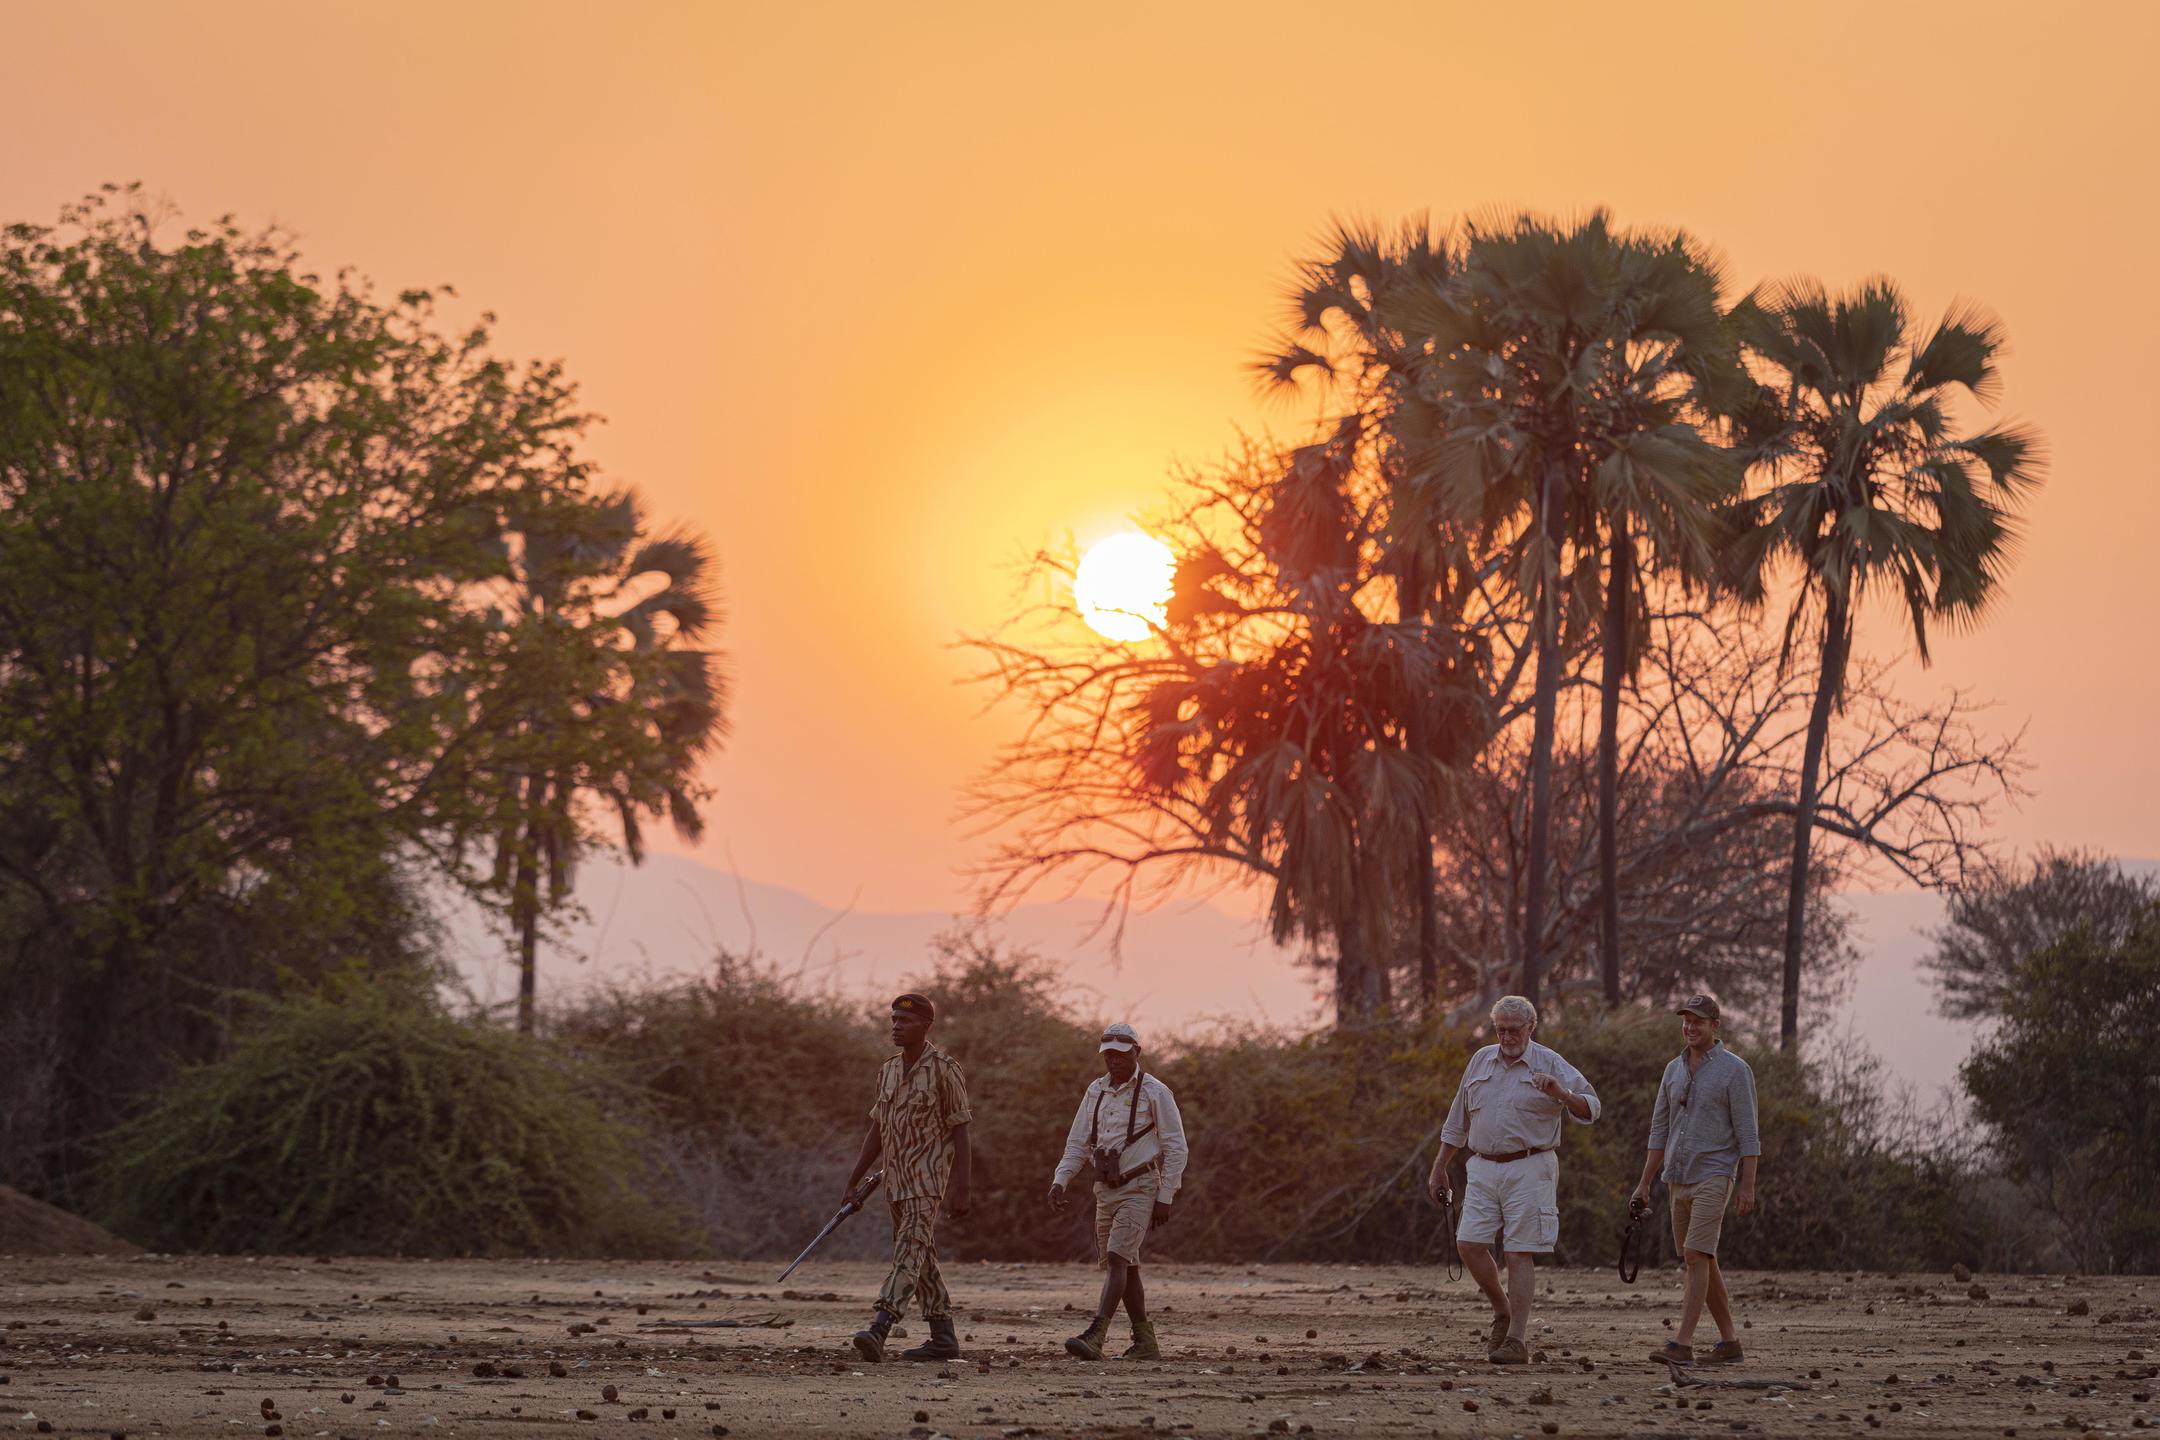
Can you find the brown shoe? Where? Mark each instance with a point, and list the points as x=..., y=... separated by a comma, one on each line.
x=1510, y=1352
x=1672, y=1352
x=1499, y=1332
x=1725, y=1352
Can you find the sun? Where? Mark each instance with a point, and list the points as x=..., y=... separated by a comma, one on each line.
x=1123, y=584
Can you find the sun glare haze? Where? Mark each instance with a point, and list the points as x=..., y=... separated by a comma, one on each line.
x=1123, y=584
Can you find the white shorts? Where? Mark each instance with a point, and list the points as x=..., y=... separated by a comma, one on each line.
x=1517, y=1204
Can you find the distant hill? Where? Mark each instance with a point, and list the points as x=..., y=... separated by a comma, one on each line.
x=1183, y=966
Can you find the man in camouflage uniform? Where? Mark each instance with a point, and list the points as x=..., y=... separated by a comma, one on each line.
x=919, y=1127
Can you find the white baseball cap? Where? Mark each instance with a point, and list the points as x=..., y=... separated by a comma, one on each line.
x=1119, y=1037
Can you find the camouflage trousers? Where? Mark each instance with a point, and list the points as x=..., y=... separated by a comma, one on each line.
x=915, y=1268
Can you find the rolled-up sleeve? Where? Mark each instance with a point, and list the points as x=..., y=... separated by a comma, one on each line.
x=1455, y=1130
x=1075, y=1144
x=1660, y=1121
x=1745, y=1129
x=1171, y=1127
x=1578, y=1082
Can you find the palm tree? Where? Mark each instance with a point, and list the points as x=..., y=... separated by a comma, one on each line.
x=615, y=700
x=1289, y=735
x=1561, y=367
x=1342, y=304
x=1867, y=485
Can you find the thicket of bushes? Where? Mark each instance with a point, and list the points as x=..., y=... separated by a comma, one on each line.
x=361, y=1119
x=1309, y=1148
x=722, y=1116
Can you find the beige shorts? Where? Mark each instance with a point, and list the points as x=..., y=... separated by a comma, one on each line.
x=1516, y=1203
x=1122, y=1216
x=1698, y=1213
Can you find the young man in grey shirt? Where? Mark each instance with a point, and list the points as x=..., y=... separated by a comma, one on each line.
x=1703, y=1136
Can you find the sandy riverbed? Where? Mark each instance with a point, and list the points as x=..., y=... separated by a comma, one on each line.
x=194, y=1346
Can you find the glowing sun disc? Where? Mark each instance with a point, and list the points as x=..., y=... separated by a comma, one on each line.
x=1123, y=585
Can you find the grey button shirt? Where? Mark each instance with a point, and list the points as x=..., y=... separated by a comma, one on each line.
x=1498, y=1111
x=1704, y=1121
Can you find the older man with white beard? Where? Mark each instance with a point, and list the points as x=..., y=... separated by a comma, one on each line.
x=1507, y=1115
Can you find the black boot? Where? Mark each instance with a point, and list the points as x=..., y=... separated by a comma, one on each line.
x=870, y=1343
x=943, y=1344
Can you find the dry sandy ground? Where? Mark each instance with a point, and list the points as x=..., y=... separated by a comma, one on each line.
x=209, y=1347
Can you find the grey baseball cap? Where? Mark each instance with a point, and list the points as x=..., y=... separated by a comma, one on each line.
x=1119, y=1037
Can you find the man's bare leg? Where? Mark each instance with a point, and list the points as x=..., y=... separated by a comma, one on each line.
x=1719, y=1303
x=1113, y=1289
x=1477, y=1259
x=1135, y=1297
x=1699, y=1268
x=1521, y=1289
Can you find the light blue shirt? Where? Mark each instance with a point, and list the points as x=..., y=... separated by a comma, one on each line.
x=1704, y=1119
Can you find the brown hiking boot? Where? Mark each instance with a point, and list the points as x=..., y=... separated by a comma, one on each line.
x=1725, y=1352
x=1499, y=1332
x=1672, y=1352
x=1510, y=1352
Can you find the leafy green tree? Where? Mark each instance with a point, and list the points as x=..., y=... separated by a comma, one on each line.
x=1867, y=484
x=2066, y=1079
x=247, y=691
x=612, y=698
x=1995, y=923
x=237, y=507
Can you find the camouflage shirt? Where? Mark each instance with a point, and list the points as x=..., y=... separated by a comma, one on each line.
x=916, y=1113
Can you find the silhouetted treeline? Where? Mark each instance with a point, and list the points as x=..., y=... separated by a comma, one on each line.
x=1418, y=660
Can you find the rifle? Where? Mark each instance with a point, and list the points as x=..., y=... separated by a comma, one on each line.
x=856, y=1198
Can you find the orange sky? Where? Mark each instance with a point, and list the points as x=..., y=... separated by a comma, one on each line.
x=884, y=295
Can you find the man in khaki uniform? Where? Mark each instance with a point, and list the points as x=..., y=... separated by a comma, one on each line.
x=919, y=1127
x=1507, y=1113
x=1133, y=1114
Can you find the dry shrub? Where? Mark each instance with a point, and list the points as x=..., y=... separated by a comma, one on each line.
x=363, y=1120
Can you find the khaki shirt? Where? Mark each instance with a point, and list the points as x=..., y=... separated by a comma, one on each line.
x=916, y=1112
x=1157, y=1107
x=1497, y=1111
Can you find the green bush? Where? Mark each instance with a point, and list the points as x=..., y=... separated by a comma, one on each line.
x=363, y=1120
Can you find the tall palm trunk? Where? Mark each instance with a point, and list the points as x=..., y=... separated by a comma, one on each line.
x=1541, y=735
x=1423, y=873
x=1428, y=927
x=1836, y=643
x=1353, y=1002
x=1614, y=671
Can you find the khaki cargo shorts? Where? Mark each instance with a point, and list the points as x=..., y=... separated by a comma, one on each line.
x=1698, y=1213
x=1516, y=1203
x=1122, y=1216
